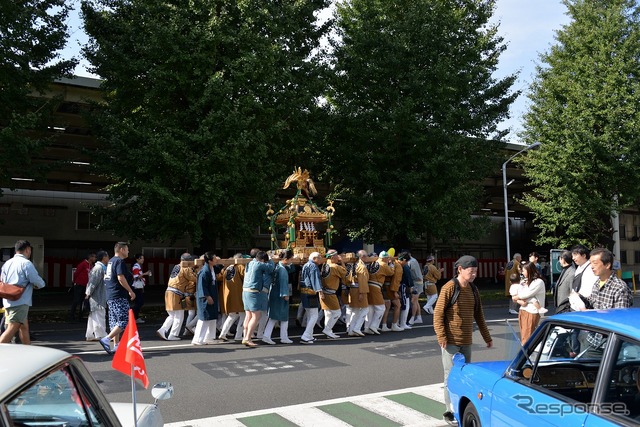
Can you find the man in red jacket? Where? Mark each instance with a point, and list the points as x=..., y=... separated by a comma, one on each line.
x=80, y=280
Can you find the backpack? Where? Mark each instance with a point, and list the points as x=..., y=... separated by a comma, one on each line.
x=456, y=294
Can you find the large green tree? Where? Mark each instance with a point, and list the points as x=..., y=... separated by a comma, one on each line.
x=584, y=111
x=415, y=108
x=32, y=32
x=208, y=104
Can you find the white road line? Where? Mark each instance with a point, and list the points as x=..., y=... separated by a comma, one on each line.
x=393, y=411
x=311, y=417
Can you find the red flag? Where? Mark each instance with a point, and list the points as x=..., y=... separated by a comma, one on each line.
x=129, y=353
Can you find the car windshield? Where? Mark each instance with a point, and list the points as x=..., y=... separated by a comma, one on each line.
x=562, y=359
x=52, y=401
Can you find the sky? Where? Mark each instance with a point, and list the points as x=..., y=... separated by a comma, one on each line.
x=528, y=27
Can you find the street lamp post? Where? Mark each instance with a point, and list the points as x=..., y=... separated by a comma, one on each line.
x=504, y=189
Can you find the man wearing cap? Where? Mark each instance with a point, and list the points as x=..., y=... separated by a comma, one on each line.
x=431, y=275
x=453, y=320
x=333, y=272
x=310, y=294
x=358, y=307
x=378, y=270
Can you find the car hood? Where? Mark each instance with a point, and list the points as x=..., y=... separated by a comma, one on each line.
x=497, y=367
x=148, y=414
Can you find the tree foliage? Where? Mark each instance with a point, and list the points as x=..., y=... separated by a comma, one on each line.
x=31, y=34
x=208, y=106
x=414, y=108
x=584, y=111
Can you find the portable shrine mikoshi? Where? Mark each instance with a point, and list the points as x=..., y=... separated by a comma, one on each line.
x=304, y=221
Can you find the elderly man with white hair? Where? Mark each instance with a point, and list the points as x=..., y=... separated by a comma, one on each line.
x=310, y=294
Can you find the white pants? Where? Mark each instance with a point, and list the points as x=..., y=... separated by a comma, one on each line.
x=268, y=330
x=262, y=323
x=312, y=318
x=330, y=318
x=192, y=318
x=228, y=323
x=355, y=318
x=431, y=300
x=404, y=313
x=374, y=316
x=173, y=323
x=96, y=324
x=205, y=331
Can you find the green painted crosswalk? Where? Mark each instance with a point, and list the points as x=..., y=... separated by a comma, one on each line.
x=357, y=416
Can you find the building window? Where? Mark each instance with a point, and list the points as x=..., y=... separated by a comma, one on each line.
x=86, y=220
x=636, y=257
x=623, y=232
x=623, y=257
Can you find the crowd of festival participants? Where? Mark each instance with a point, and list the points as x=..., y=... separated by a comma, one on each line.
x=369, y=298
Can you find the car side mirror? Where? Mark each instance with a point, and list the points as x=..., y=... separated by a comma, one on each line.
x=162, y=391
x=459, y=359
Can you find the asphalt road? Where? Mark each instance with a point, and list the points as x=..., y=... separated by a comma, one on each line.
x=230, y=378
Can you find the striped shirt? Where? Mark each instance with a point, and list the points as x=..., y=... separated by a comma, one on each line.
x=454, y=325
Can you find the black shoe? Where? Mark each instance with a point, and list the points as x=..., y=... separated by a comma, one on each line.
x=449, y=418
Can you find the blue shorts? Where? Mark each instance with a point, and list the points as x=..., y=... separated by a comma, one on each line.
x=118, y=312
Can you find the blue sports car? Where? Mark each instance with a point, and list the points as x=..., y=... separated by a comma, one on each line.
x=577, y=369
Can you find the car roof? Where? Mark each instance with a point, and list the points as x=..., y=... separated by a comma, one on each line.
x=619, y=320
x=20, y=363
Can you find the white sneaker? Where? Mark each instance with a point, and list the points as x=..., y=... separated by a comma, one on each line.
x=268, y=341
x=161, y=334
x=173, y=338
x=512, y=311
x=369, y=332
x=285, y=341
x=542, y=310
x=417, y=320
x=429, y=310
x=396, y=328
x=385, y=328
x=412, y=321
x=405, y=327
x=197, y=342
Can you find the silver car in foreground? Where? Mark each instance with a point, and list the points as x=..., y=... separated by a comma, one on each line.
x=42, y=386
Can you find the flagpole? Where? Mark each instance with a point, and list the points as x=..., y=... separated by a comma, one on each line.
x=133, y=394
